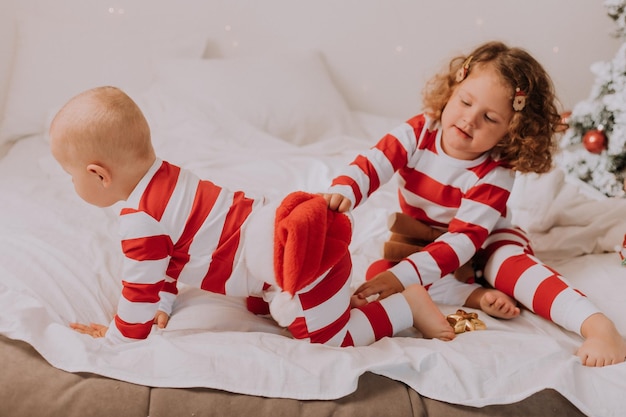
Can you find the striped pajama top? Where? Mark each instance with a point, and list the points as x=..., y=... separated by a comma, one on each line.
x=466, y=197
x=174, y=228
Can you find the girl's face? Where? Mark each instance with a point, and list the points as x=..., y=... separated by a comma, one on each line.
x=477, y=115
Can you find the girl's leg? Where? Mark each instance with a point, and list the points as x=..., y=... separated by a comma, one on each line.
x=449, y=290
x=512, y=268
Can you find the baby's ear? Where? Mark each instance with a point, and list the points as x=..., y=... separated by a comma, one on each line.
x=102, y=173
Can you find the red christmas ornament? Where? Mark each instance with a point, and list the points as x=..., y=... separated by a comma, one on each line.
x=594, y=141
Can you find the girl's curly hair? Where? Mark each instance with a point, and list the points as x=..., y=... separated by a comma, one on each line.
x=530, y=142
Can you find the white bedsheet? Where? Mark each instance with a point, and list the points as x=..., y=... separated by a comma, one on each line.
x=59, y=260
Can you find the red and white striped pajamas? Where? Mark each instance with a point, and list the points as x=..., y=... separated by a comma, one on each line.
x=177, y=228
x=468, y=198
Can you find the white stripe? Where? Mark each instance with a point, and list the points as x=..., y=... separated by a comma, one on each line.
x=180, y=203
x=329, y=311
x=431, y=164
x=435, y=212
x=500, y=177
x=461, y=244
x=139, y=225
x=406, y=137
x=205, y=242
x=144, y=272
x=570, y=309
x=528, y=282
x=476, y=213
x=360, y=328
x=382, y=165
x=136, y=312
x=398, y=312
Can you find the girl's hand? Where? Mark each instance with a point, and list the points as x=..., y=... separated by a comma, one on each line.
x=160, y=319
x=337, y=202
x=383, y=284
x=94, y=330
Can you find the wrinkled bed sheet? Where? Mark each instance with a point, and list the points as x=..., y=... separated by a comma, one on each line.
x=59, y=262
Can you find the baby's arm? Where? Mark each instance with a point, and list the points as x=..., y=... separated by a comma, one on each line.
x=94, y=330
x=161, y=319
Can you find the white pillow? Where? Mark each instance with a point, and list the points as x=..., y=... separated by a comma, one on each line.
x=290, y=96
x=56, y=59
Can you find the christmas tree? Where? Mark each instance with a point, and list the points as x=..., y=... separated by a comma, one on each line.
x=593, y=148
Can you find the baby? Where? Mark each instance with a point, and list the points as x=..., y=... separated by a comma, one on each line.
x=176, y=227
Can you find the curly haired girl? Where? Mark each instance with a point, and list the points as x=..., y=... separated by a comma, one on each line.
x=490, y=114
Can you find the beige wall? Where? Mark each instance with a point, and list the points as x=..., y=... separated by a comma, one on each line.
x=379, y=51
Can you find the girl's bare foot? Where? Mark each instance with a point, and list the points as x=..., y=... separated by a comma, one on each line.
x=426, y=315
x=603, y=344
x=493, y=302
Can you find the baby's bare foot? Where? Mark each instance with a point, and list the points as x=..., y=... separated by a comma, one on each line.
x=426, y=315
x=603, y=344
x=498, y=304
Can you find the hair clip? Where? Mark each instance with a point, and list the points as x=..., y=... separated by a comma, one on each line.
x=464, y=70
x=519, y=100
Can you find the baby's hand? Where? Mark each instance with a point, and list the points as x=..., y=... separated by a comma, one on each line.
x=161, y=318
x=94, y=330
x=383, y=284
x=337, y=202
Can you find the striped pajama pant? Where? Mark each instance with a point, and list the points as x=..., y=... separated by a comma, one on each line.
x=321, y=311
x=512, y=268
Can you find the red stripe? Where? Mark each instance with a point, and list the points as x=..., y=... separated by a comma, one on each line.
x=417, y=123
x=490, y=195
x=329, y=286
x=298, y=328
x=170, y=287
x=147, y=248
x=395, y=153
x=368, y=168
x=324, y=334
x=134, y=330
x=476, y=233
x=510, y=272
x=345, y=180
x=347, y=341
x=141, y=293
x=516, y=231
x=486, y=167
x=204, y=201
x=426, y=187
x=378, y=318
x=429, y=141
x=545, y=295
x=223, y=257
x=444, y=255
x=159, y=191
x=127, y=210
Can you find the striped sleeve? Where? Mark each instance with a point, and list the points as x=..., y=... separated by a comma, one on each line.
x=147, y=248
x=376, y=166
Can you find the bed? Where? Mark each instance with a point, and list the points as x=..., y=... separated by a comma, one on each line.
x=267, y=126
